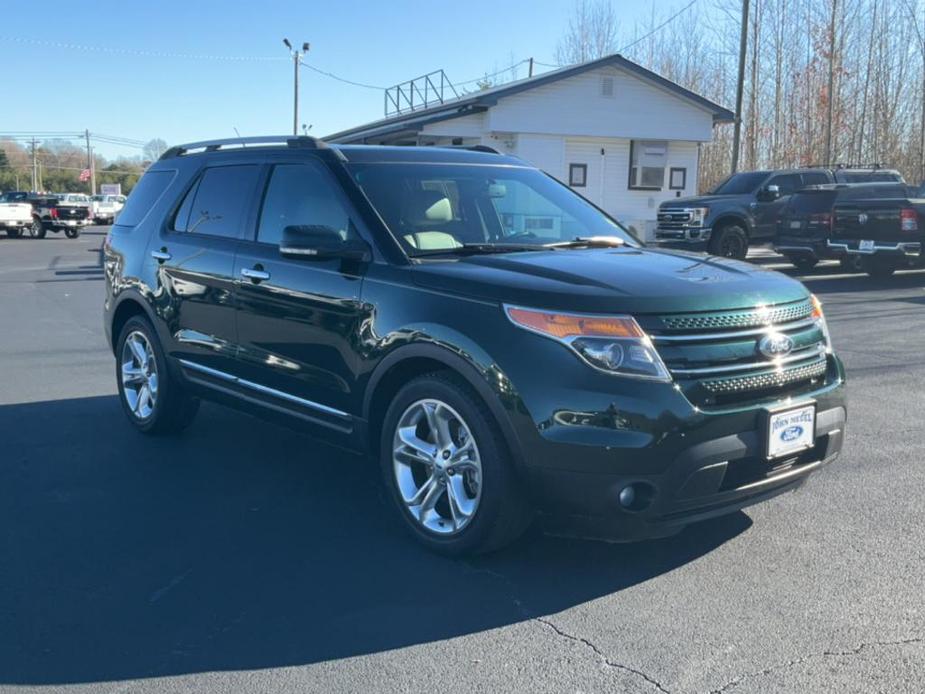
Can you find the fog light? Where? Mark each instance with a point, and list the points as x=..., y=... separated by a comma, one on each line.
x=627, y=496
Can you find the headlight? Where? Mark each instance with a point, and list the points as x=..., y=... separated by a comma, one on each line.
x=614, y=344
x=698, y=215
x=819, y=317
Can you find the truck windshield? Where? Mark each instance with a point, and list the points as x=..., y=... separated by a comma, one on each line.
x=741, y=183
x=441, y=207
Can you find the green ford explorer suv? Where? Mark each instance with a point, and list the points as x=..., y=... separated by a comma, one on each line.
x=503, y=349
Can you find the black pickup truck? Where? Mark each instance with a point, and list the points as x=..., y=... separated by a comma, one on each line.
x=744, y=208
x=57, y=214
x=885, y=233
x=805, y=224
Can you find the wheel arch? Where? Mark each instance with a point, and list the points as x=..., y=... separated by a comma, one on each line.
x=733, y=218
x=129, y=305
x=411, y=361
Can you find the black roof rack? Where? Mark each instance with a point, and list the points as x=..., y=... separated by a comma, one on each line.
x=295, y=141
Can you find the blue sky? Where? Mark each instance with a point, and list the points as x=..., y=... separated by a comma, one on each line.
x=115, y=91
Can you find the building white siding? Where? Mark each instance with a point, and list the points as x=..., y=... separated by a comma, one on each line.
x=472, y=125
x=575, y=107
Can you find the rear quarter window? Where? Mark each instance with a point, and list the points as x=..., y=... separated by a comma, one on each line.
x=144, y=196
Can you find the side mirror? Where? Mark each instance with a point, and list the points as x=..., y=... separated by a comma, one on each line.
x=770, y=193
x=321, y=243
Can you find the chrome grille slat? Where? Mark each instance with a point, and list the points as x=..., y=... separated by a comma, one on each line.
x=704, y=337
x=739, y=384
x=739, y=319
x=802, y=355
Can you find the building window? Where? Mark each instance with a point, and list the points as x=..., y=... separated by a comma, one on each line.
x=578, y=175
x=647, y=164
x=677, y=178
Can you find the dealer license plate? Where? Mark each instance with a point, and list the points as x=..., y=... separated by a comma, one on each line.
x=866, y=245
x=796, y=225
x=791, y=431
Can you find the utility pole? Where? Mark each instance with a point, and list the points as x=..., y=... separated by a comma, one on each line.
x=831, y=104
x=296, y=59
x=35, y=169
x=90, y=163
x=737, y=132
x=530, y=71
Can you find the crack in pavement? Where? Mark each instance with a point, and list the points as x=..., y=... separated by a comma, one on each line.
x=825, y=654
x=600, y=654
x=527, y=615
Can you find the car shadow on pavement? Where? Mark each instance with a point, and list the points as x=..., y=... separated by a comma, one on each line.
x=243, y=545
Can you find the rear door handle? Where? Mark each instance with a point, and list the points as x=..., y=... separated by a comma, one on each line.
x=161, y=255
x=255, y=274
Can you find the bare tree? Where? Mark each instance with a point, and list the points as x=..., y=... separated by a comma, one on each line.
x=153, y=149
x=592, y=33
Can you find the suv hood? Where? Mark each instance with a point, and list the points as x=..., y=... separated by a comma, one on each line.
x=623, y=280
x=706, y=200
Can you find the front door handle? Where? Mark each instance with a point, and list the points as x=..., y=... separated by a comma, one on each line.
x=256, y=274
x=161, y=255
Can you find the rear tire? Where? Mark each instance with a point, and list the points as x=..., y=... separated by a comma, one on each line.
x=37, y=229
x=803, y=263
x=152, y=398
x=852, y=263
x=879, y=268
x=457, y=468
x=72, y=233
x=730, y=241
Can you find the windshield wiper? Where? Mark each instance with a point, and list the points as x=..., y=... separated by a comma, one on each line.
x=589, y=242
x=478, y=249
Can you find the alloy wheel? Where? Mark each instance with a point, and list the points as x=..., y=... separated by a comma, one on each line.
x=139, y=375
x=437, y=467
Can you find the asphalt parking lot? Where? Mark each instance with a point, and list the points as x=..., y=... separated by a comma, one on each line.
x=247, y=557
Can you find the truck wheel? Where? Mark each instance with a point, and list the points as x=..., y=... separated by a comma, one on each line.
x=730, y=241
x=72, y=233
x=448, y=469
x=14, y=233
x=852, y=263
x=879, y=268
x=153, y=399
x=37, y=229
x=803, y=263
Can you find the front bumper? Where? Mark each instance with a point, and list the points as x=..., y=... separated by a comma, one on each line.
x=686, y=239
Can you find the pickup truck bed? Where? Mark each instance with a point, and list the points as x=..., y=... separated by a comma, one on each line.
x=15, y=217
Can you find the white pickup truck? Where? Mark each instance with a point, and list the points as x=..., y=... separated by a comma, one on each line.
x=106, y=207
x=15, y=216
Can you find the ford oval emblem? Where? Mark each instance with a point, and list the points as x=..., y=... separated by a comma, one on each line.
x=791, y=433
x=775, y=345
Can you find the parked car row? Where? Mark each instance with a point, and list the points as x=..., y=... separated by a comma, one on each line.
x=745, y=208
x=39, y=213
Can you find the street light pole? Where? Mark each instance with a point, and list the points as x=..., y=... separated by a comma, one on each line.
x=296, y=59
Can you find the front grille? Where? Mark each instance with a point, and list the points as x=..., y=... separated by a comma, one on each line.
x=764, y=316
x=673, y=219
x=715, y=358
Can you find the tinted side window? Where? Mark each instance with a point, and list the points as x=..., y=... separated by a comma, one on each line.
x=220, y=201
x=181, y=218
x=788, y=183
x=143, y=197
x=301, y=195
x=814, y=178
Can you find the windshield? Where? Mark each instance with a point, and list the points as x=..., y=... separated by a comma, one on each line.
x=741, y=183
x=440, y=207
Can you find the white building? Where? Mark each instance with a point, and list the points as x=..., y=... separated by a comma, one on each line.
x=622, y=136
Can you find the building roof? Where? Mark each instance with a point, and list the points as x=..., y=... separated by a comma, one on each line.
x=477, y=102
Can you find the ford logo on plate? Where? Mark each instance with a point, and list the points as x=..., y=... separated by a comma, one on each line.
x=791, y=433
x=775, y=345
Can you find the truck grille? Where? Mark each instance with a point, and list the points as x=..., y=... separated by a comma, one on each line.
x=714, y=356
x=673, y=219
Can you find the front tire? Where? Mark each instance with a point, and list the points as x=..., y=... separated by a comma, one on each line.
x=730, y=241
x=448, y=470
x=154, y=401
x=852, y=263
x=72, y=233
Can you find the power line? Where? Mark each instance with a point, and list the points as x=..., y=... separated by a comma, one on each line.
x=137, y=52
x=340, y=79
x=660, y=26
x=493, y=74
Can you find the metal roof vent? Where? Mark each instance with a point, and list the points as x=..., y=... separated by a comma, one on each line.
x=607, y=87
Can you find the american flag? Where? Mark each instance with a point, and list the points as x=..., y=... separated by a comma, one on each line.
x=85, y=175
